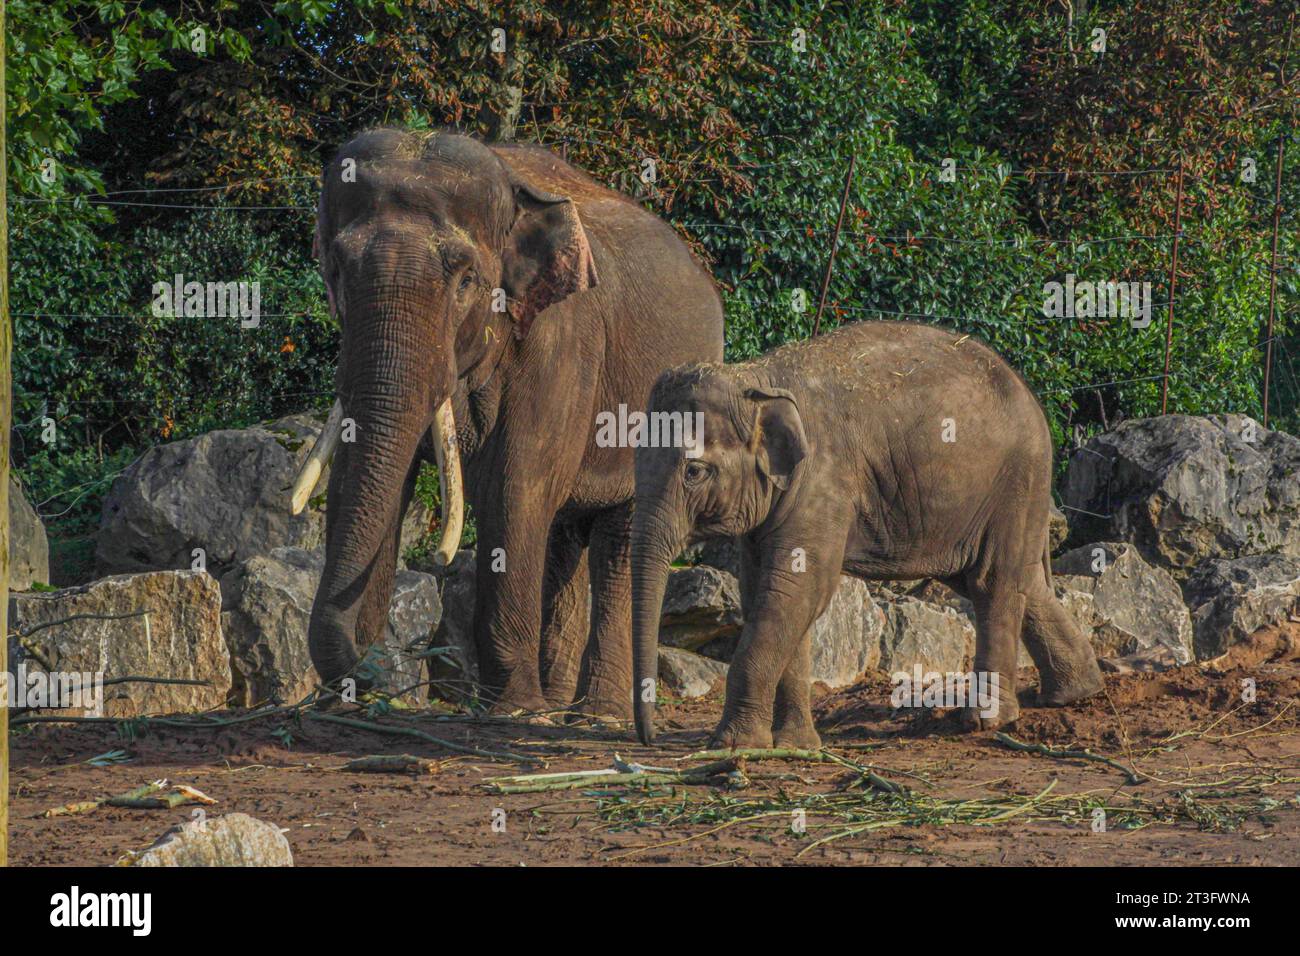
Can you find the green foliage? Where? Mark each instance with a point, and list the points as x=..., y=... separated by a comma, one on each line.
x=114, y=378
x=428, y=492
x=974, y=254
x=68, y=62
x=751, y=140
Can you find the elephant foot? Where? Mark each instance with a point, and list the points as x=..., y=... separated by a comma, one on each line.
x=604, y=713
x=800, y=737
x=989, y=718
x=531, y=710
x=597, y=721
x=737, y=735
x=1057, y=691
x=999, y=713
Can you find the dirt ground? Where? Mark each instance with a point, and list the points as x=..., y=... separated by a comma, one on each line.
x=1217, y=782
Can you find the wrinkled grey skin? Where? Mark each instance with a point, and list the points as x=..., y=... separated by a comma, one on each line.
x=834, y=450
x=602, y=296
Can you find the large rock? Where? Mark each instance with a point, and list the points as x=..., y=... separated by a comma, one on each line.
x=226, y=492
x=180, y=638
x=701, y=606
x=1125, y=606
x=1186, y=489
x=235, y=839
x=938, y=638
x=1230, y=600
x=29, y=550
x=266, y=604
x=930, y=591
x=846, y=638
x=686, y=674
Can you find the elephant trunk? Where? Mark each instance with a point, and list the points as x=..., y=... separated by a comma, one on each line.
x=385, y=393
x=656, y=540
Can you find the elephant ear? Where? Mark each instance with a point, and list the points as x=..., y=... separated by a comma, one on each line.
x=546, y=257
x=778, y=440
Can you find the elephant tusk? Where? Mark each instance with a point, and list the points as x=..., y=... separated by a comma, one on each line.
x=447, y=450
x=317, y=458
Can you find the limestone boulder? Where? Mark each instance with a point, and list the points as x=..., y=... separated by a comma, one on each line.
x=1186, y=489
x=225, y=492
x=162, y=624
x=1125, y=606
x=1231, y=599
x=29, y=549
x=686, y=674
x=235, y=839
x=267, y=603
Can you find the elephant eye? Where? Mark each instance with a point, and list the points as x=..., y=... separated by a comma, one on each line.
x=696, y=472
x=466, y=281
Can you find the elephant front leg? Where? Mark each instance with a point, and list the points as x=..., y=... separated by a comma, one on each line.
x=792, y=724
x=508, y=613
x=785, y=604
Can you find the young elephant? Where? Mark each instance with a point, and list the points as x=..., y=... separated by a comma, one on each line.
x=885, y=450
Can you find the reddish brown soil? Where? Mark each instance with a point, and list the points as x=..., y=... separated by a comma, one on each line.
x=1185, y=731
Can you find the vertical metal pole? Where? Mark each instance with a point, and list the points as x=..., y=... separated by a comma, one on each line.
x=6, y=417
x=1173, y=288
x=1277, y=216
x=1272, y=279
x=835, y=241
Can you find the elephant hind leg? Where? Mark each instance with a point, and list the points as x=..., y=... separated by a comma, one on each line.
x=999, y=617
x=605, y=684
x=1067, y=665
x=999, y=585
x=566, y=613
x=792, y=720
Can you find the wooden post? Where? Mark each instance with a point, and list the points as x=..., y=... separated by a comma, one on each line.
x=1173, y=287
x=6, y=417
x=1272, y=278
x=835, y=241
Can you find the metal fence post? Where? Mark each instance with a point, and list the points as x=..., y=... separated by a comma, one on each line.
x=835, y=241
x=1272, y=278
x=1173, y=286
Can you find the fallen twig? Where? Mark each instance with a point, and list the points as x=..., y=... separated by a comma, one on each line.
x=732, y=768
x=1057, y=754
x=412, y=732
x=391, y=763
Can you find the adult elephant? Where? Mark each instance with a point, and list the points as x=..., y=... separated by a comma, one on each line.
x=493, y=300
